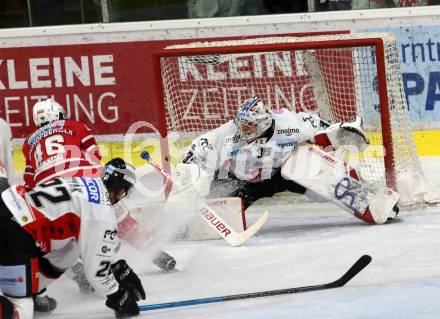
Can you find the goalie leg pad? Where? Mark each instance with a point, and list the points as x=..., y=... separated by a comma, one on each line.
x=328, y=176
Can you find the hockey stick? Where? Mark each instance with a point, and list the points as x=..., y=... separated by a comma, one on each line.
x=212, y=218
x=360, y=264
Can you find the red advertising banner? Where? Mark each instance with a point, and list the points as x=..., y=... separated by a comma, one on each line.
x=107, y=86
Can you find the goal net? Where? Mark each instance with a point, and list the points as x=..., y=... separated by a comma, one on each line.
x=337, y=76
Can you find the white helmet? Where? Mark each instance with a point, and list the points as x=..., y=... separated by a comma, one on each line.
x=47, y=111
x=253, y=119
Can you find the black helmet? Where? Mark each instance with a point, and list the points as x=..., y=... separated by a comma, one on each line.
x=118, y=176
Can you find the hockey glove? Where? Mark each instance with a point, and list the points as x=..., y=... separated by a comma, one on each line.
x=126, y=277
x=122, y=303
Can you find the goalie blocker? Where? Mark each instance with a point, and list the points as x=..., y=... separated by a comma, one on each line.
x=330, y=177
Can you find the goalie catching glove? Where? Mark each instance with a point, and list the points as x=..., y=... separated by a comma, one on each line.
x=343, y=134
x=124, y=301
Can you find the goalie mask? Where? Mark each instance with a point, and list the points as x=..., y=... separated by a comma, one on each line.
x=119, y=178
x=47, y=111
x=253, y=119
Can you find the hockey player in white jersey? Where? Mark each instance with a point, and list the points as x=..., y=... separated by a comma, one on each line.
x=120, y=177
x=246, y=156
x=44, y=230
x=117, y=172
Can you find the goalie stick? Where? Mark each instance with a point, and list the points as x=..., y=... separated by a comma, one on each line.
x=212, y=218
x=360, y=264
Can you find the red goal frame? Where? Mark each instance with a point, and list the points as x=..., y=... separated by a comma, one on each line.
x=377, y=43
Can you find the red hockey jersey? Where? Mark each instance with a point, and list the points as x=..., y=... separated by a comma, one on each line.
x=64, y=148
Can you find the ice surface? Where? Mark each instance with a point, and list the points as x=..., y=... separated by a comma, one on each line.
x=302, y=244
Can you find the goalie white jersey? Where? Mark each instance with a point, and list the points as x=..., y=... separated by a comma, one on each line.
x=69, y=219
x=222, y=149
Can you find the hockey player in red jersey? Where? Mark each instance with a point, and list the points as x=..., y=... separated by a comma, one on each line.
x=60, y=147
x=44, y=230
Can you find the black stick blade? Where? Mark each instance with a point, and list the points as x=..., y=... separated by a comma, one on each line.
x=357, y=267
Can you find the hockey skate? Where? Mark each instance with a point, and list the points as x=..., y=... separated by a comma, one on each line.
x=44, y=303
x=164, y=261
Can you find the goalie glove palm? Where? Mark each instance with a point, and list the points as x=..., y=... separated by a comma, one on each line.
x=126, y=278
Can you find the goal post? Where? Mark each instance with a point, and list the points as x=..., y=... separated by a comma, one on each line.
x=337, y=76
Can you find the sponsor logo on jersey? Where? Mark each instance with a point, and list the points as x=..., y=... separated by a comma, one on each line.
x=288, y=131
x=15, y=199
x=286, y=144
x=51, y=161
x=105, y=249
x=234, y=152
x=110, y=234
x=12, y=280
x=92, y=188
x=233, y=139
